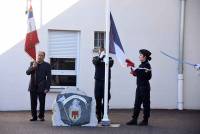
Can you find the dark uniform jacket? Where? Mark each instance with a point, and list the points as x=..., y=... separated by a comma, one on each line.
x=100, y=76
x=143, y=75
x=100, y=68
x=40, y=77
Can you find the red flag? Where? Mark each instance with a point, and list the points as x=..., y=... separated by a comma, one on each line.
x=129, y=63
x=31, y=37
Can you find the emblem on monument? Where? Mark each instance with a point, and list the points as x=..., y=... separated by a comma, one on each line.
x=75, y=110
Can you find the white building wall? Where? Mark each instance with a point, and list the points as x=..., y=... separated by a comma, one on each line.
x=141, y=24
x=191, y=53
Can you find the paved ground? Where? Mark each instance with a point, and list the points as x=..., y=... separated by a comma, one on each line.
x=161, y=122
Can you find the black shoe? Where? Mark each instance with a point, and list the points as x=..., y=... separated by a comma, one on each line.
x=42, y=119
x=33, y=119
x=132, y=122
x=99, y=118
x=143, y=123
x=99, y=121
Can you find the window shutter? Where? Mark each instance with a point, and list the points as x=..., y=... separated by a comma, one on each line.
x=62, y=44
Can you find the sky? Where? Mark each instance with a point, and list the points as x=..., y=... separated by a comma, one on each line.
x=13, y=22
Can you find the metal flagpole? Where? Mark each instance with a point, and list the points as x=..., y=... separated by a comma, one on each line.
x=106, y=120
x=41, y=13
x=26, y=7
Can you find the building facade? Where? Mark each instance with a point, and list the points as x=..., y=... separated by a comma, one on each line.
x=72, y=37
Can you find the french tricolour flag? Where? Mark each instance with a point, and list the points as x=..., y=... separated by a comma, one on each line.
x=31, y=36
x=116, y=47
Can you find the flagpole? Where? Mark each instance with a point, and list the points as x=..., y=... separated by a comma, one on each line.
x=26, y=7
x=41, y=13
x=106, y=120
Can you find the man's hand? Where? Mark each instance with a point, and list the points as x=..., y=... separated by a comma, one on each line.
x=46, y=91
x=34, y=64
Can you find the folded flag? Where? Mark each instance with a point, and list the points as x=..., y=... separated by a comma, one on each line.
x=130, y=63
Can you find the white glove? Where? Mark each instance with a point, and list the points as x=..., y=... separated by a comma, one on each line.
x=102, y=54
x=197, y=67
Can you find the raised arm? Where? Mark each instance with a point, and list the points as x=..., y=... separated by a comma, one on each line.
x=31, y=69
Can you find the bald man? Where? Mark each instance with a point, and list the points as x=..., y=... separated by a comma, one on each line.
x=39, y=85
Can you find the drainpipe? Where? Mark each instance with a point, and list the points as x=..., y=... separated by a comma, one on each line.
x=181, y=55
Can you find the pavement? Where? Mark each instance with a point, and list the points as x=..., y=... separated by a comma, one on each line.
x=161, y=122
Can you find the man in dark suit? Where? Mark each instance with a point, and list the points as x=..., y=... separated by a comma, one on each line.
x=39, y=85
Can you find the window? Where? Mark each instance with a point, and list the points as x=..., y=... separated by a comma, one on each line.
x=63, y=80
x=63, y=71
x=63, y=54
x=62, y=63
x=99, y=40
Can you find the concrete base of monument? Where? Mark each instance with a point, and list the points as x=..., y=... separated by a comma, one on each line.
x=73, y=107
